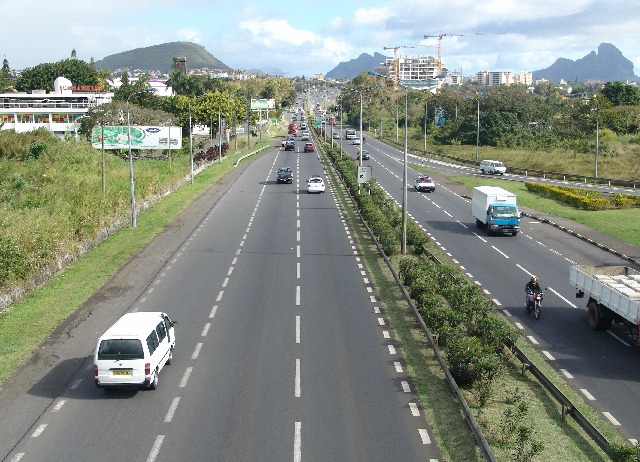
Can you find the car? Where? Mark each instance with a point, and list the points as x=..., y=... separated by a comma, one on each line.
x=494, y=167
x=424, y=183
x=284, y=175
x=356, y=141
x=315, y=184
x=309, y=147
x=290, y=146
x=365, y=155
x=336, y=135
x=306, y=136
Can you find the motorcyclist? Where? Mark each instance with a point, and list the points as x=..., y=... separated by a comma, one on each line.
x=532, y=287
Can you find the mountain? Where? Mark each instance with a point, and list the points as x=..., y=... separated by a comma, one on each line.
x=608, y=65
x=350, y=69
x=160, y=58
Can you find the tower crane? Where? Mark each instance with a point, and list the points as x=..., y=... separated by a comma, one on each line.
x=395, y=61
x=453, y=35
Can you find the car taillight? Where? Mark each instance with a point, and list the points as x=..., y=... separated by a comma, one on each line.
x=95, y=370
x=147, y=368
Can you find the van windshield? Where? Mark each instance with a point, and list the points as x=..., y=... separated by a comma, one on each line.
x=120, y=349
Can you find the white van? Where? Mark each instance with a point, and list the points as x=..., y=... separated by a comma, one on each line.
x=133, y=351
x=493, y=167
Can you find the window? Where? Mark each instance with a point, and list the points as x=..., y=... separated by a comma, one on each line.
x=160, y=330
x=120, y=349
x=152, y=342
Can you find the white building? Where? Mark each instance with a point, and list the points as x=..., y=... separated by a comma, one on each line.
x=416, y=72
x=490, y=78
x=59, y=112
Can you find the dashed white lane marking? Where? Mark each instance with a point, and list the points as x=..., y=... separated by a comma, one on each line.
x=38, y=431
x=424, y=436
x=618, y=338
x=405, y=386
x=414, y=409
x=213, y=311
x=532, y=339
x=297, y=329
x=205, y=330
x=297, y=380
x=75, y=384
x=297, y=295
x=185, y=377
x=18, y=457
x=611, y=419
x=566, y=373
x=59, y=405
x=385, y=334
x=172, y=409
x=497, y=302
x=155, y=449
x=587, y=395
x=398, y=366
x=519, y=326
x=196, y=351
x=562, y=298
x=392, y=349
x=548, y=355
x=381, y=321
x=220, y=294
x=297, y=442
x=500, y=251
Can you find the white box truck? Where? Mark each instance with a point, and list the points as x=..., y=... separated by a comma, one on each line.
x=495, y=209
x=614, y=295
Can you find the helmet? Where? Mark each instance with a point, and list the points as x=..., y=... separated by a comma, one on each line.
x=534, y=279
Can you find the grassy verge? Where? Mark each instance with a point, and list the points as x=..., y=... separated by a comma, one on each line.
x=32, y=319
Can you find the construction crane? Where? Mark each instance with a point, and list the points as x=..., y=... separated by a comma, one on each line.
x=395, y=61
x=453, y=35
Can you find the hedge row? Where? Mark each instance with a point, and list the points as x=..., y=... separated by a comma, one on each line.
x=376, y=208
x=472, y=337
x=583, y=198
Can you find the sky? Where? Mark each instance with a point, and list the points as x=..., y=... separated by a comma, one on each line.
x=302, y=38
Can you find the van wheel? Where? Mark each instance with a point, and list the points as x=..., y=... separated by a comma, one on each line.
x=170, y=358
x=154, y=383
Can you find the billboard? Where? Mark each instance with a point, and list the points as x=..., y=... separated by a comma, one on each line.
x=142, y=137
x=257, y=104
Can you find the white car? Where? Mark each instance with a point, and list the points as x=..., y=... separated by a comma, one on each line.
x=315, y=184
x=356, y=141
x=336, y=135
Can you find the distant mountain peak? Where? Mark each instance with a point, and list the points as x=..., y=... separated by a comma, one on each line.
x=608, y=64
x=350, y=69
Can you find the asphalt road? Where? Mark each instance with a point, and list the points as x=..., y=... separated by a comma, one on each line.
x=600, y=366
x=283, y=352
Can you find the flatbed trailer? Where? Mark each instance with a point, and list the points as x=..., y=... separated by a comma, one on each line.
x=614, y=295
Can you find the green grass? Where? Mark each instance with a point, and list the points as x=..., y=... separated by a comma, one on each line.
x=622, y=224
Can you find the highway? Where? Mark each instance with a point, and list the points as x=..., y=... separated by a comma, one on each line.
x=600, y=366
x=283, y=352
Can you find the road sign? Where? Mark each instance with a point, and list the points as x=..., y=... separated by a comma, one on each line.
x=364, y=174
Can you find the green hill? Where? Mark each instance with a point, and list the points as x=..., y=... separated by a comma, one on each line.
x=160, y=58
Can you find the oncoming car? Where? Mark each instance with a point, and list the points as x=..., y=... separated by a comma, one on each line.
x=315, y=184
x=365, y=155
x=424, y=183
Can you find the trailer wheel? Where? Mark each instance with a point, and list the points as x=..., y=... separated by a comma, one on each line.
x=595, y=318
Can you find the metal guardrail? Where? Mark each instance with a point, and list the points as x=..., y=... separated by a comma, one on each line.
x=241, y=158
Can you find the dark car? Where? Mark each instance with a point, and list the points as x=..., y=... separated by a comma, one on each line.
x=289, y=146
x=284, y=175
x=309, y=147
x=365, y=155
x=424, y=183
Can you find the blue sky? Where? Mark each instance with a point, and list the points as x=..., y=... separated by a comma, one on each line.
x=304, y=38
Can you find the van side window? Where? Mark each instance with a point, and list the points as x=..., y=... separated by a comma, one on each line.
x=152, y=342
x=160, y=330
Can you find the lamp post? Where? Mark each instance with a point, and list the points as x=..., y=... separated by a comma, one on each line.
x=403, y=247
x=478, y=131
x=131, y=184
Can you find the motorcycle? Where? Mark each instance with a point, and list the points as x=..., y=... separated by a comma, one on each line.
x=534, y=303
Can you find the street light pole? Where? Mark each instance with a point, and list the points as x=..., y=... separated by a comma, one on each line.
x=190, y=143
x=478, y=131
x=361, y=137
x=131, y=184
x=404, y=175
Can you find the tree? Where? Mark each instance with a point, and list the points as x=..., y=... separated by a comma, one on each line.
x=6, y=82
x=620, y=94
x=42, y=76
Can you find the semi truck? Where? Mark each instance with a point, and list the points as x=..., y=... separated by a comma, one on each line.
x=495, y=209
x=614, y=295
